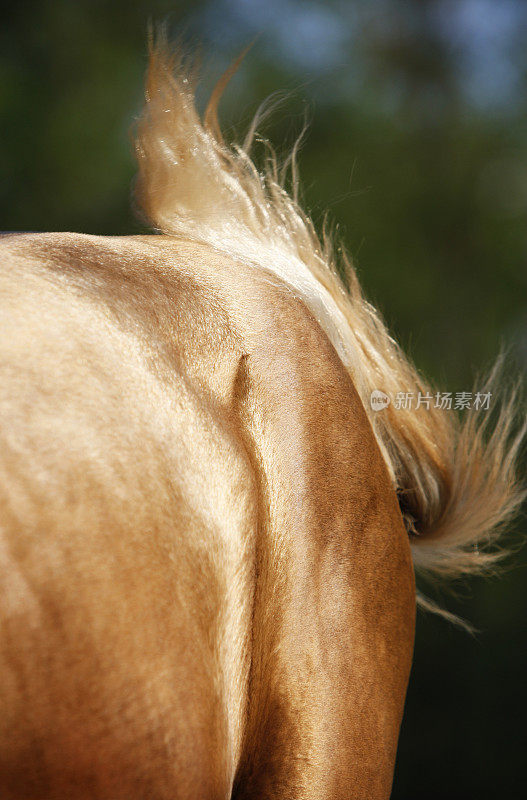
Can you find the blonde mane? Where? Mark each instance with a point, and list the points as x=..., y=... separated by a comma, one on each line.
x=456, y=481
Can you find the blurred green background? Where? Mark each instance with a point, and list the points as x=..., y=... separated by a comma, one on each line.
x=418, y=147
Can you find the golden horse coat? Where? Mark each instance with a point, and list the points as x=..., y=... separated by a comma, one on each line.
x=206, y=578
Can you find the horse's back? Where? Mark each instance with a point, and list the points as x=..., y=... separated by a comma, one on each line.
x=127, y=518
x=206, y=578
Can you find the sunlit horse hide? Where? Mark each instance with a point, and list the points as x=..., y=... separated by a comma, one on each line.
x=206, y=533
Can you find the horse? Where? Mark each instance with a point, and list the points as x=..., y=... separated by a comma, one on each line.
x=208, y=529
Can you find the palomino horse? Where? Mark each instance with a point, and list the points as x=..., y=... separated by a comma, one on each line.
x=207, y=585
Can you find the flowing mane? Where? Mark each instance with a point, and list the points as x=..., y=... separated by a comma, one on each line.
x=456, y=480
